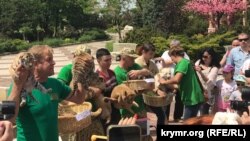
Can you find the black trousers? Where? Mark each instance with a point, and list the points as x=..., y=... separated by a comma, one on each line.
x=159, y=113
x=178, y=109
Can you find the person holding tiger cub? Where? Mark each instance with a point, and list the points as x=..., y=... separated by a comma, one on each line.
x=37, y=119
x=94, y=96
x=128, y=69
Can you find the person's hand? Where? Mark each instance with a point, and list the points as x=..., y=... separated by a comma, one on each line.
x=128, y=121
x=23, y=74
x=245, y=118
x=162, y=81
x=97, y=92
x=6, y=131
x=197, y=68
x=80, y=89
x=133, y=74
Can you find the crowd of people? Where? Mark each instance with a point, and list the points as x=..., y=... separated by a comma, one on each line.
x=204, y=87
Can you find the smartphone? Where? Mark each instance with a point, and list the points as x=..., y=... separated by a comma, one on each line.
x=143, y=123
x=124, y=133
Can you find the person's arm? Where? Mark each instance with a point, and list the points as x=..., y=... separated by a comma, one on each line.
x=224, y=59
x=168, y=63
x=230, y=58
x=17, y=88
x=174, y=80
x=136, y=73
x=79, y=96
x=199, y=70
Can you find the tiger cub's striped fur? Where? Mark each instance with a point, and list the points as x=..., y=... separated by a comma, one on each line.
x=26, y=60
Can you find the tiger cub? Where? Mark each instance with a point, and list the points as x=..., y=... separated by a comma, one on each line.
x=26, y=60
x=83, y=72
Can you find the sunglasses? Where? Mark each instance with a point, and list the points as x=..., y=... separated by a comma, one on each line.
x=240, y=84
x=245, y=39
x=204, y=56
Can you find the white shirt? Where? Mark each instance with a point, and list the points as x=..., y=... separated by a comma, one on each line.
x=166, y=57
x=245, y=66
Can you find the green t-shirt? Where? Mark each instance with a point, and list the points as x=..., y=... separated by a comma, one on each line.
x=190, y=90
x=37, y=120
x=65, y=74
x=121, y=75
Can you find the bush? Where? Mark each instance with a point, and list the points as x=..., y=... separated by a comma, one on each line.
x=9, y=45
x=112, y=29
x=109, y=46
x=94, y=34
x=85, y=38
x=139, y=36
x=53, y=42
x=69, y=41
x=160, y=43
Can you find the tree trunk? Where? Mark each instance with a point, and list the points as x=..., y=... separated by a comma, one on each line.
x=38, y=37
x=139, y=4
x=211, y=26
x=24, y=37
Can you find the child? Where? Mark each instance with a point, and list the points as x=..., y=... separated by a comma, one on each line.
x=226, y=87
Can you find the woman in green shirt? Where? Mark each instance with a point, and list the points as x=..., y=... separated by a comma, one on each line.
x=189, y=86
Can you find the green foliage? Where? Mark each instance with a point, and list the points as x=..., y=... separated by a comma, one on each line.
x=193, y=44
x=13, y=45
x=160, y=43
x=196, y=24
x=163, y=16
x=139, y=36
x=94, y=34
x=85, y=38
x=112, y=29
x=69, y=41
x=53, y=42
x=109, y=46
x=97, y=34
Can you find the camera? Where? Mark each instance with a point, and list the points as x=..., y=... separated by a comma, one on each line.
x=7, y=109
x=247, y=73
x=239, y=105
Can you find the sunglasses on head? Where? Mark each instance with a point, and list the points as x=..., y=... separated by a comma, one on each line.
x=245, y=39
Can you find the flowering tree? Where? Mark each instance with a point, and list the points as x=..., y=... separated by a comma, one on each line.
x=215, y=9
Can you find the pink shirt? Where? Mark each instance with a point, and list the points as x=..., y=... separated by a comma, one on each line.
x=226, y=90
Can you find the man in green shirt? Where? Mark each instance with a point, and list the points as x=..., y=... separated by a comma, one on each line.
x=37, y=120
x=65, y=75
x=190, y=89
x=128, y=69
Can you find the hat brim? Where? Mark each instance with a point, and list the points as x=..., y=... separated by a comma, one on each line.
x=227, y=71
x=131, y=55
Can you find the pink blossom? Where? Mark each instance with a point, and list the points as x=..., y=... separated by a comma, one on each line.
x=215, y=6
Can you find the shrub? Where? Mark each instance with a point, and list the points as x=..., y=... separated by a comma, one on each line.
x=109, y=46
x=94, y=34
x=85, y=38
x=139, y=36
x=160, y=43
x=53, y=42
x=112, y=29
x=9, y=45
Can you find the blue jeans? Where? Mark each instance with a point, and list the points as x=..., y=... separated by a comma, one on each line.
x=191, y=111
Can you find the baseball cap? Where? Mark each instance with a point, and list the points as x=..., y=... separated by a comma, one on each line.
x=228, y=68
x=129, y=52
x=240, y=78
